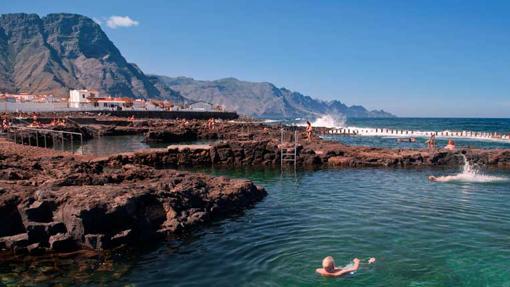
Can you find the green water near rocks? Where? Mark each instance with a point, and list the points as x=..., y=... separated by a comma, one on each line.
x=422, y=233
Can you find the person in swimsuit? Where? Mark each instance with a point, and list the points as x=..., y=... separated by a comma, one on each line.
x=432, y=142
x=329, y=269
x=309, y=130
x=451, y=145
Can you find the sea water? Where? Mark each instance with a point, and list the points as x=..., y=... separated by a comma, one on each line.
x=501, y=126
x=422, y=233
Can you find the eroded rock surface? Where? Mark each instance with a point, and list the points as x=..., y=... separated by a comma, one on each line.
x=71, y=203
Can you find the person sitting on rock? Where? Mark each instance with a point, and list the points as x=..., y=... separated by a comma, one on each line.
x=451, y=145
x=330, y=270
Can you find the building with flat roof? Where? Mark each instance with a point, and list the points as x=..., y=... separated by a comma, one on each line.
x=81, y=98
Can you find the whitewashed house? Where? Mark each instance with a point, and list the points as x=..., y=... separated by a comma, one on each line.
x=81, y=98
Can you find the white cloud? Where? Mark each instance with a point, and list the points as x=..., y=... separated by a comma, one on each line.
x=120, y=21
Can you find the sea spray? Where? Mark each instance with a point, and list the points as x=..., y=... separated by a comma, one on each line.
x=470, y=173
x=329, y=121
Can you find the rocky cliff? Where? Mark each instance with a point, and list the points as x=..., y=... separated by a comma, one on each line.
x=59, y=52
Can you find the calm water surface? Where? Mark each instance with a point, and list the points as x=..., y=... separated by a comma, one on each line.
x=423, y=234
x=108, y=145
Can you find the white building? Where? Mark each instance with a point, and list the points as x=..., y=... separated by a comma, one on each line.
x=113, y=103
x=139, y=104
x=81, y=98
x=201, y=106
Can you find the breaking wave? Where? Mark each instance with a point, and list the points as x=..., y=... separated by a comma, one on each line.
x=329, y=121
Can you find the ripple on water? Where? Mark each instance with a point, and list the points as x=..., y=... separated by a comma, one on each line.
x=423, y=234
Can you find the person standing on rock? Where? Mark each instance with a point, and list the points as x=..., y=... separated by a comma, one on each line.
x=309, y=131
x=431, y=142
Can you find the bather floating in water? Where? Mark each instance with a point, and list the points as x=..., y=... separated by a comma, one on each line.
x=330, y=270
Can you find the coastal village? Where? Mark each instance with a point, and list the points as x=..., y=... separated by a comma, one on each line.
x=90, y=100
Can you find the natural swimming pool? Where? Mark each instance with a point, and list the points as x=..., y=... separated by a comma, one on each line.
x=422, y=233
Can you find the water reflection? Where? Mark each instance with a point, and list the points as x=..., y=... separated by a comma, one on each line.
x=108, y=145
x=68, y=270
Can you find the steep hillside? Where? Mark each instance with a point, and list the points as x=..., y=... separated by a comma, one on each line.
x=261, y=99
x=62, y=51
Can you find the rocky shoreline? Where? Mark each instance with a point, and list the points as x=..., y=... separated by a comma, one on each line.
x=62, y=203
x=255, y=144
x=56, y=202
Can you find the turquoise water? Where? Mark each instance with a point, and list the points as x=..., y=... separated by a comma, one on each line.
x=422, y=233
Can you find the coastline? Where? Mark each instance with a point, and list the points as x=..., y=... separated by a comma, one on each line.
x=64, y=203
x=58, y=198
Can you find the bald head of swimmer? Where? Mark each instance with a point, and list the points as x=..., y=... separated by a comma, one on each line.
x=328, y=264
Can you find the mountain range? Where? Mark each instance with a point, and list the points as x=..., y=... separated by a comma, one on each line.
x=58, y=52
x=261, y=99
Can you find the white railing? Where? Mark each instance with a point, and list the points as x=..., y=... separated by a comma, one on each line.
x=411, y=133
x=23, y=135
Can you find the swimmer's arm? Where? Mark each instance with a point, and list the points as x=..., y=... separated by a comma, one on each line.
x=354, y=267
x=337, y=273
x=342, y=272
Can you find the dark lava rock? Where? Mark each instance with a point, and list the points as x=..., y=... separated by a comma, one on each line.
x=79, y=205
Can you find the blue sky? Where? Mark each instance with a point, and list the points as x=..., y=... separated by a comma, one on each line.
x=412, y=58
